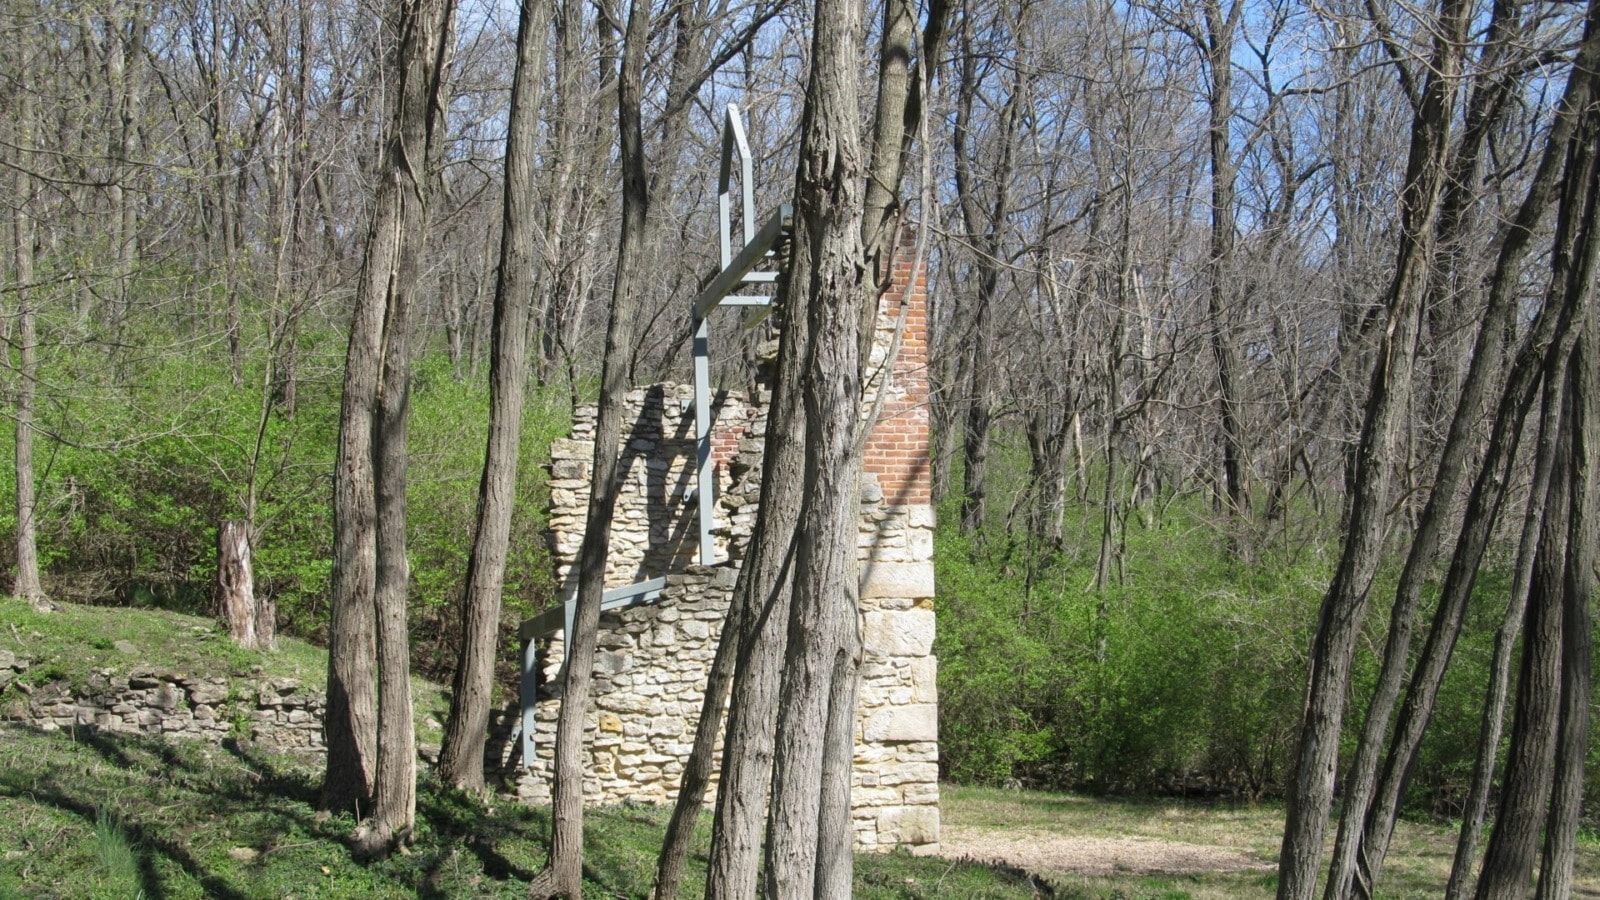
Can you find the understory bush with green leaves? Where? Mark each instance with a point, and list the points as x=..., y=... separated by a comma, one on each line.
x=138, y=458
x=1186, y=672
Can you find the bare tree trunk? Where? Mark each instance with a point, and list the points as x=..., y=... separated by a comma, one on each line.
x=1572, y=740
x=985, y=224
x=765, y=586
x=236, y=583
x=1463, y=869
x=809, y=833
x=461, y=756
x=1453, y=467
x=27, y=584
x=371, y=755
x=1344, y=606
x=1218, y=51
x=1548, y=342
x=1530, y=763
x=564, y=874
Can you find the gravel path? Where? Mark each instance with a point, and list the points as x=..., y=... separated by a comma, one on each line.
x=1042, y=852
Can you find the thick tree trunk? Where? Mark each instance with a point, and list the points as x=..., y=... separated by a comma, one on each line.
x=461, y=756
x=249, y=618
x=395, y=784
x=564, y=874
x=809, y=833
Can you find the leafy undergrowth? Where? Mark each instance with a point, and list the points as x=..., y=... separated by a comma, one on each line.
x=99, y=815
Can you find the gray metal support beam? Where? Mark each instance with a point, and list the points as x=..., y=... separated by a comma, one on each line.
x=732, y=275
x=705, y=478
x=529, y=695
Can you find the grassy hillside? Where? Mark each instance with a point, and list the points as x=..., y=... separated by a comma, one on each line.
x=113, y=816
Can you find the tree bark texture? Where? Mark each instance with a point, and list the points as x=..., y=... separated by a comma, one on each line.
x=1572, y=739
x=809, y=833
x=985, y=226
x=1218, y=50
x=1453, y=466
x=564, y=874
x=27, y=584
x=1530, y=761
x=461, y=756
x=1539, y=358
x=1344, y=605
x=371, y=751
x=249, y=617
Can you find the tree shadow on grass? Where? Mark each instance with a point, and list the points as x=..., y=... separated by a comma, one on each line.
x=153, y=775
x=145, y=840
x=460, y=821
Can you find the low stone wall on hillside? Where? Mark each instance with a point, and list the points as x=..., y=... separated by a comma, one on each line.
x=275, y=713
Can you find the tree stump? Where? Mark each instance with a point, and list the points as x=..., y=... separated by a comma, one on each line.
x=250, y=621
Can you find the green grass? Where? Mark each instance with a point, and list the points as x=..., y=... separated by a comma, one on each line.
x=99, y=815
x=94, y=815
x=69, y=642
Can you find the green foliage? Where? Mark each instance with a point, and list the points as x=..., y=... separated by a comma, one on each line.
x=1186, y=674
x=140, y=455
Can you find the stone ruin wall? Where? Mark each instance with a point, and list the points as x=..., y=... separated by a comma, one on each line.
x=653, y=661
x=278, y=714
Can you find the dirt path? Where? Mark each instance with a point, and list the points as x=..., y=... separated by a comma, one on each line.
x=1041, y=851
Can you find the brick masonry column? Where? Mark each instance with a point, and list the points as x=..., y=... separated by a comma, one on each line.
x=896, y=790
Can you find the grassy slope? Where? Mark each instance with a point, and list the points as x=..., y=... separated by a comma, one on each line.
x=98, y=815
x=89, y=815
x=106, y=816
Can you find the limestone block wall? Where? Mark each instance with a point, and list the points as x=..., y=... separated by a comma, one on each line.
x=276, y=713
x=653, y=660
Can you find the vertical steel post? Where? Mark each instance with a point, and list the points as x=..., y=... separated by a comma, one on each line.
x=529, y=694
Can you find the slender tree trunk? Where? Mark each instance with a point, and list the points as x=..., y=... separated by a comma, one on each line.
x=765, y=586
x=1453, y=467
x=1463, y=869
x=1218, y=49
x=27, y=584
x=985, y=226
x=1548, y=342
x=1530, y=762
x=371, y=756
x=1572, y=740
x=1344, y=606
x=461, y=757
x=564, y=874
